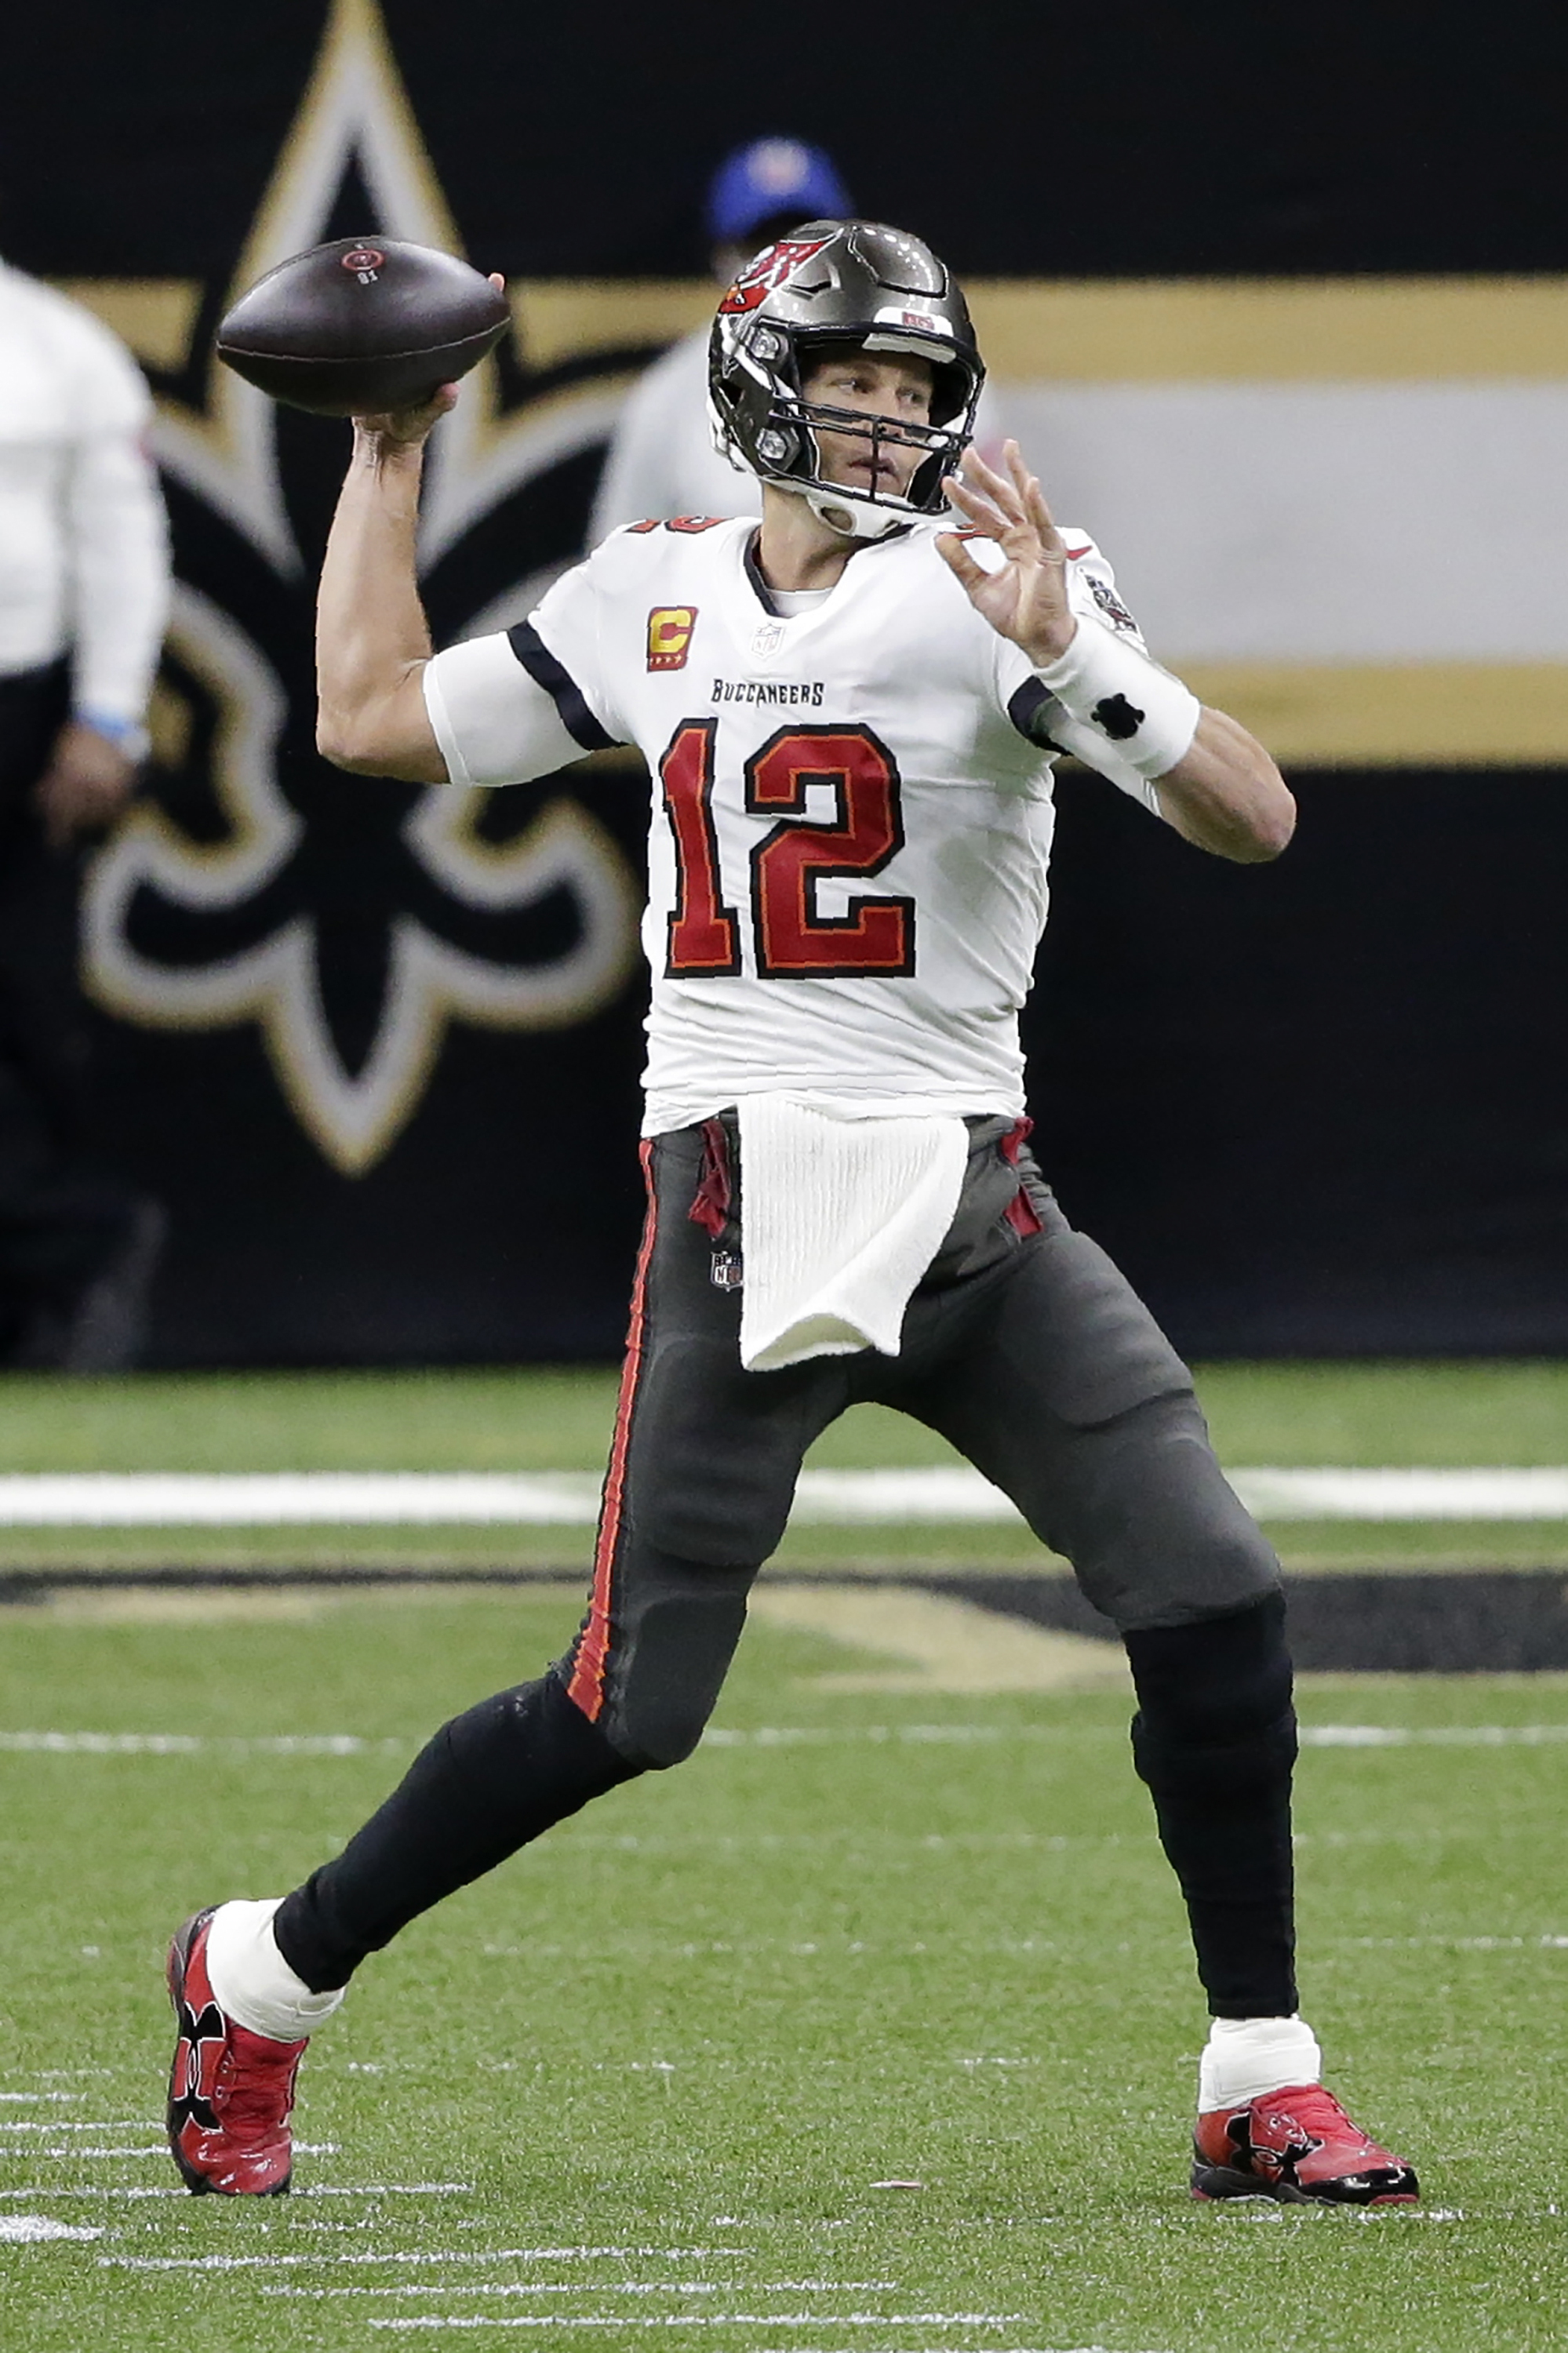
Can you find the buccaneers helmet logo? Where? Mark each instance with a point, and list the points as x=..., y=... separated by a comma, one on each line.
x=772, y=268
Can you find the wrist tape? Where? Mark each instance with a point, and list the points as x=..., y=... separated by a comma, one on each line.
x=1109, y=685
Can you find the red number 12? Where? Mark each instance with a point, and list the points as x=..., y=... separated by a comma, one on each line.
x=873, y=936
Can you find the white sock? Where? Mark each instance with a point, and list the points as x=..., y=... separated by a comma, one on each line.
x=1247, y=2057
x=252, y=1982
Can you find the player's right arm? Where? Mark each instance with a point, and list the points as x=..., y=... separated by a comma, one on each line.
x=372, y=639
x=490, y=711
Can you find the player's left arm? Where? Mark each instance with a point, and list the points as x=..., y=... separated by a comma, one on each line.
x=1208, y=778
x=1226, y=793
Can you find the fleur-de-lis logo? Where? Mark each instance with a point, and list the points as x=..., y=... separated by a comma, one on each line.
x=351, y=919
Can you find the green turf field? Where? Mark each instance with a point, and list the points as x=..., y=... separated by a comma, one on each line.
x=648, y=2083
x=1510, y=1414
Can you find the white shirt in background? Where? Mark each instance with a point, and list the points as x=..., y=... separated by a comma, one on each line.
x=84, y=563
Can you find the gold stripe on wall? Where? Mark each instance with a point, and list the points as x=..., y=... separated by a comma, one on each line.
x=561, y=318
x=1396, y=714
x=156, y=316
x=1157, y=330
x=1261, y=330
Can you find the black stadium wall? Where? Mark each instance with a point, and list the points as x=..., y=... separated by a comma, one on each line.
x=377, y=1050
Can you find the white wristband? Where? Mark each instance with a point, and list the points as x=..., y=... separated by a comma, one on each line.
x=1112, y=687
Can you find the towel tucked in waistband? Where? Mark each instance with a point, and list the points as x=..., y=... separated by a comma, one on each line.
x=842, y=1215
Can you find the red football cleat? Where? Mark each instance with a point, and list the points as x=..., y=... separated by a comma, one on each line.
x=1297, y=2145
x=230, y=2092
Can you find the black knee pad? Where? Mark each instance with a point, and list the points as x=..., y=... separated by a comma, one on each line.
x=669, y=1663
x=1214, y=1712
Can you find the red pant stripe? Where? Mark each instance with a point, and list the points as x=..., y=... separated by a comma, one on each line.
x=586, y=1685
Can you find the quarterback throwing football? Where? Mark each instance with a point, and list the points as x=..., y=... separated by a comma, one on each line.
x=850, y=714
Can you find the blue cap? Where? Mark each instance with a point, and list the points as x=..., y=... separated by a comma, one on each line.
x=768, y=177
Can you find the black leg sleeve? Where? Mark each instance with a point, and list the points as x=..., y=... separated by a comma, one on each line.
x=1214, y=1738
x=489, y=1782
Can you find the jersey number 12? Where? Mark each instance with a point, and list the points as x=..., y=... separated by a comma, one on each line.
x=873, y=936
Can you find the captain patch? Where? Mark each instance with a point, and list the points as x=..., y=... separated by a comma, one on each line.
x=670, y=631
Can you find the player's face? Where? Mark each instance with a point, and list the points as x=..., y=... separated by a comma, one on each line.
x=876, y=383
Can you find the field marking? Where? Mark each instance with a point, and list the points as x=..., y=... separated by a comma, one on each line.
x=98, y=2191
x=704, y=2320
x=1445, y=1736
x=121, y=1600
x=779, y=1735
x=386, y=2189
x=600, y=2287
x=1449, y=1493
x=351, y=1744
x=191, y=1744
x=286, y=1498
x=1546, y=1944
x=314, y=2190
x=949, y=1493
x=413, y=2257
x=32, y=2229
x=62, y=2125
x=956, y=1645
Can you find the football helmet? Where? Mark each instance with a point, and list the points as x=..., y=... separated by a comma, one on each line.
x=834, y=281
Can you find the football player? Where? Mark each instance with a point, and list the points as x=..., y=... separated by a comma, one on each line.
x=850, y=714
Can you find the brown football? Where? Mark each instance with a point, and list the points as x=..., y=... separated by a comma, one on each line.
x=362, y=325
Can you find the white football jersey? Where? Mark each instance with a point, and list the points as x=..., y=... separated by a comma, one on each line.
x=851, y=807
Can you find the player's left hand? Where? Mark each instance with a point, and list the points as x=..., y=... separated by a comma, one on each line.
x=85, y=787
x=1025, y=598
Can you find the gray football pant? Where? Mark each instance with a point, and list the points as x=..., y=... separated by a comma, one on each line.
x=1026, y=1349
x=1024, y=1346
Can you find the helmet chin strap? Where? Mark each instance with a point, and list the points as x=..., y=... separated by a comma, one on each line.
x=851, y=517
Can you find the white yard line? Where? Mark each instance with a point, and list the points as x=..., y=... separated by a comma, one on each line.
x=939, y=1494
x=188, y=1743
x=821, y=2320
x=30, y=2229
x=49, y=2189
x=313, y=2190
x=722, y=1736
x=414, y=2257
x=1444, y=1735
x=1434, y=1494
x=58, y=2124
x=576, y=2288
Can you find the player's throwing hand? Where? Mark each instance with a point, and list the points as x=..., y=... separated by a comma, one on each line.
x=1025, y=598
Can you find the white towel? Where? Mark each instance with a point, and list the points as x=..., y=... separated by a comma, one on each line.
x=842, y=1216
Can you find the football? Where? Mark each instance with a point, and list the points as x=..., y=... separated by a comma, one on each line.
x=361, y=325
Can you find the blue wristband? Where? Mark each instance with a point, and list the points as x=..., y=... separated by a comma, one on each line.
x=127, y=735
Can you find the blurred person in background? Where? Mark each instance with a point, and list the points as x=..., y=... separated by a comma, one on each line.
x=84, y=584
x=663, y=460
